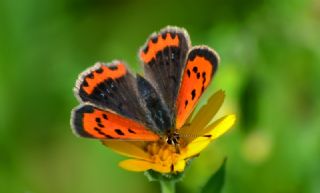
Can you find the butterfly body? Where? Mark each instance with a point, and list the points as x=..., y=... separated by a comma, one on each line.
x=117, y=105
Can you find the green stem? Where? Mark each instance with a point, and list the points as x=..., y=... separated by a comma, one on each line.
x=167, y=186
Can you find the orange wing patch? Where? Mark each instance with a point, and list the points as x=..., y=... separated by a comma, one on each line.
x=201, y=64
x=89, y=121
x=102, y=73
x=158, y=43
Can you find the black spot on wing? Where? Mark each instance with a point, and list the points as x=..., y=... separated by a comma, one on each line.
x=131, y=131
x=113, y=67
x=193, y=94
x=119, y=132
x=173, y=35
x=102, y=133
x=186, y=103
x=188, y=73
x=164, y=35
x=85, y=83
x=204, y=77
x=195, y=69
x=154, y=39
x=198, y=75
x=90, y=76
x=146, y=49
x=100, y=125
x=99, y=70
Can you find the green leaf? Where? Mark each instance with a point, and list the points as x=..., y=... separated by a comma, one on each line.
x=216, y=181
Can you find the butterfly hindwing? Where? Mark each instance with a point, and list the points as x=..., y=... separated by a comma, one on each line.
x=93, y=122
x=201, y=64
x=110, y=86
x=164, y=57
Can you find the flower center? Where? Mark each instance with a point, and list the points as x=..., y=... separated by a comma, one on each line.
x=163, y=153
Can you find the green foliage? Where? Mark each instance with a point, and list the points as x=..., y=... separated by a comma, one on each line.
x=216, y=181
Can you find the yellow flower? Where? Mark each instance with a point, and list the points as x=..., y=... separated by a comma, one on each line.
x=194, y=137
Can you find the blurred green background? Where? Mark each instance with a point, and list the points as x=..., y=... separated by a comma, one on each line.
x=270, y=71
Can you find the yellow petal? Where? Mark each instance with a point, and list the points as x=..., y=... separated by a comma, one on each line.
x=140, y=166
x=203, y=117
x=135, y=165
x=214, y=130
x=206, y=113
x=129, y=149
x=220, y=126
x=195, y=147
x=179, y=167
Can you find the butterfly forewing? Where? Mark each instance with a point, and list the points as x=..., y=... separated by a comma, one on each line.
x=93, y=122
x=201, y=64
x=113, y=87
x=164, y=57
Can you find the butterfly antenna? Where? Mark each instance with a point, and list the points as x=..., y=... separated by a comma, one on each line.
x=189, y=135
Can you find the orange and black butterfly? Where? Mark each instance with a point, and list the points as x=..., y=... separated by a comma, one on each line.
x=118, y=105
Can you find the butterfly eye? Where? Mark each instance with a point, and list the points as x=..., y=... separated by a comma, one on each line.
x=169, y=141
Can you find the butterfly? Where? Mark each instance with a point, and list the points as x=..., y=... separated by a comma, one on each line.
x=115, y=104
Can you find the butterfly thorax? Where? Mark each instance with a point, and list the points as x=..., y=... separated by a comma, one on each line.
x=172, y=138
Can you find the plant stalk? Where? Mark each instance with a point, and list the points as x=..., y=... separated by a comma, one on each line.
x=167, y=186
